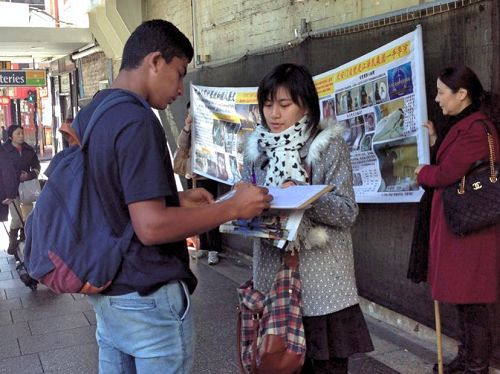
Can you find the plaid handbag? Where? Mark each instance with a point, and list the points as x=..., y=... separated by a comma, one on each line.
x=270, y=330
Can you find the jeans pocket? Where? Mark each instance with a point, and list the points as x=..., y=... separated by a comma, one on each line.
x=178, y=296
x=132, y=304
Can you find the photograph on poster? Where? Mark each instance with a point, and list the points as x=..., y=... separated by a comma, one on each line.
x=328, y=109
x=400, y=81
x=369, y=119
x=397, y=163
x=249, y=115
x=390, y=125
x=353, y=132
x=380, y=90
x=366, y=143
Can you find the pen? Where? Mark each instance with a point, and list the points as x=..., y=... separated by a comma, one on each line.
x=254, y=179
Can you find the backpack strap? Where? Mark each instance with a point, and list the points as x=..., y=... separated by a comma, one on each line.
x=114, y=98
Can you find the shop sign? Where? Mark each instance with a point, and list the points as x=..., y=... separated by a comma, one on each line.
x=29, y=78
x=65, y=83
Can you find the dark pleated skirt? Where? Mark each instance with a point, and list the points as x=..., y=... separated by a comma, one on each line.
x=340, y=334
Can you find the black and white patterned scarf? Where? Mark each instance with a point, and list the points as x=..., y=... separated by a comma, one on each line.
x=282, y=150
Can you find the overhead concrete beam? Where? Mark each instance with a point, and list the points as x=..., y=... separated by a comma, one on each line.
x=113, y=22
x=41, y=42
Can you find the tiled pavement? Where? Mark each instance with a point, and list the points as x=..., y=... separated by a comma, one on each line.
x=41, y=332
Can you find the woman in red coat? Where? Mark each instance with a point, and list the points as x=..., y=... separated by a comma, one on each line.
x=462, y=269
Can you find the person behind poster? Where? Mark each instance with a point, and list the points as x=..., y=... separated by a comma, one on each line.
x=208, y=243
x=290, y=147
x=462, y=270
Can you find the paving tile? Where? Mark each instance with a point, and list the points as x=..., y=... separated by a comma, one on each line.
x=80, y=359
x=29, y=364
x=7, y=267
x=45, y=297
x=13, y=331
x=19, y=291
x=405, y=362
x=5, y=317
x=59, y=323
x=90, y=317
x=9, y=348
x=57, y=340
x=10, y=304
x=5, y=275
x=60, y=308
x=364, y=364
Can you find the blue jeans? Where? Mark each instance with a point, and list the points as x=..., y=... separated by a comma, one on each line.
x=145, y=334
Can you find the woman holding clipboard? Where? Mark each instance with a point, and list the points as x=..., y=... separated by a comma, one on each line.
x=291, y=147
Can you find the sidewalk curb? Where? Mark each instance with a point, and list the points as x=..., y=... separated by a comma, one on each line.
x=408, y=325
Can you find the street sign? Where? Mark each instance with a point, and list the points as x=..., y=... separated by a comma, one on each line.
x=29, y=78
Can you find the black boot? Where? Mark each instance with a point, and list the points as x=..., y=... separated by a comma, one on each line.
x=11, y=250
x=478, y=337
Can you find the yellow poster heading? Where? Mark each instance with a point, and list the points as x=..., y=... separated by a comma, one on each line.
x=375, y=61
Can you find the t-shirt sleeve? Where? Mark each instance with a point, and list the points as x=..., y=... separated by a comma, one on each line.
x=142, y=156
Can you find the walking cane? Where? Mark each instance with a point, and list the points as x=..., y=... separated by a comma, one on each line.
x=439, y=343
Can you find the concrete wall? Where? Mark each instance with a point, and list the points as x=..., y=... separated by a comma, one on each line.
x=225, y=30
x=95, y=68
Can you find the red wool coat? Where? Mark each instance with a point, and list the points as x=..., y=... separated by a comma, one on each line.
x=462, y=270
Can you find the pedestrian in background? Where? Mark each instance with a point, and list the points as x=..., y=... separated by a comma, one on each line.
x=8, y=185
x=292, y=147
x=210, y=242
x=144, y=318
x=26, y=167
x=462, y=269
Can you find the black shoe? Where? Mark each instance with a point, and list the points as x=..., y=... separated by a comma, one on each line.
x=457, y=365
x=12, y=249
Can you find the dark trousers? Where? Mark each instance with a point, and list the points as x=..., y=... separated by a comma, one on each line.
x=475, y=336
x=210, y=240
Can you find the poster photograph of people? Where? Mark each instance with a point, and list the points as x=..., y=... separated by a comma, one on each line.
x=379, y=98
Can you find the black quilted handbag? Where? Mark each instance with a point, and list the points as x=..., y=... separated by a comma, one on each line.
x=473, y=203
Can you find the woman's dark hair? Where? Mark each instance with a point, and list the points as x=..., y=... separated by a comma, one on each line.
x=11, y=130
x=152, y=36
x=457, y=77
x=299, y=83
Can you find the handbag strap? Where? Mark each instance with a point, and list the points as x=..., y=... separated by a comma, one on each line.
x=492, y=160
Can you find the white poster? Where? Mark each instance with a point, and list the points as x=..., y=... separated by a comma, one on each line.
x=222, y=118
x=380, y=100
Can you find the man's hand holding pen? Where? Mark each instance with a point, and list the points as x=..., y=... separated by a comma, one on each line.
x=250, y=200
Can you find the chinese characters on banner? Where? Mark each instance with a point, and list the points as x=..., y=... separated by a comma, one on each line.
x=379, y=98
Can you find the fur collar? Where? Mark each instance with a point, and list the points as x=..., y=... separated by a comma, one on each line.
x=329, y=129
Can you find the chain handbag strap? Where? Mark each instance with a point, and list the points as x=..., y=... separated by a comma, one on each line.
x=492, y=161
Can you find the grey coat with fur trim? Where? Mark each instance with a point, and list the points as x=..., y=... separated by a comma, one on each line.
x=326, y=257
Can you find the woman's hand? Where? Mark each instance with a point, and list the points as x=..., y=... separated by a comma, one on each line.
x=188, y=122
x=432, y=132
x=417, y=170
x=288, y=184
x=195, y=197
